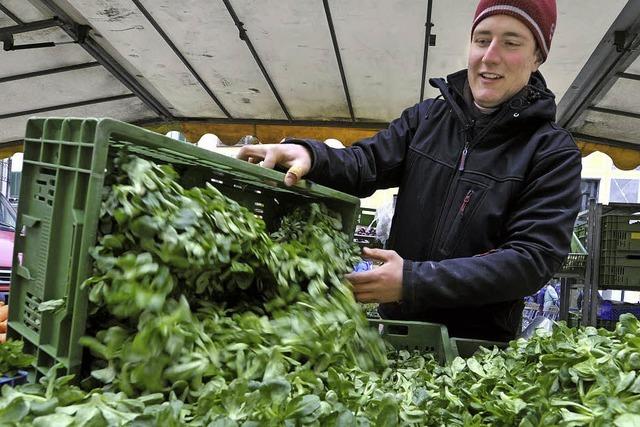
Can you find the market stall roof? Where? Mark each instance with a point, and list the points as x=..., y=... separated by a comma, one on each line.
x=354, y=63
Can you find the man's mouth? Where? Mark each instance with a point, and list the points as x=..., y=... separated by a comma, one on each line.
x=490, y=76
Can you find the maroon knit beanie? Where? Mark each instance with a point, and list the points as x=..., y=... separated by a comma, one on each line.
x=538, y=15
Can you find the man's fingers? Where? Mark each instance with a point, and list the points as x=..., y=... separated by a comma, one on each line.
x=377, y=254
x=366, y=288
x=250, y=151
x=365, y=298
x=270, y=160
x=362, y=277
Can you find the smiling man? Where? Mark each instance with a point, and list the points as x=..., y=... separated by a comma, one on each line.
x=488, y=183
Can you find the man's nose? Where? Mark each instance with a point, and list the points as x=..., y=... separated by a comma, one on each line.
x=492, y=54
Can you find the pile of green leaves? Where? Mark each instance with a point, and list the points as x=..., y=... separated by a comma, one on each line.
x=571, y=377
x=195, y=290
x=57, y=402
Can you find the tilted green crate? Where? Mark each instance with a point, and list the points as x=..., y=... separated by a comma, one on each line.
x=422, y=336
x=66, y=164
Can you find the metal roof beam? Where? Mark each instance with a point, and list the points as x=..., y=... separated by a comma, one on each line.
x=10, y=14
x=94, y=49
x=629, y=76
x=618, y=49
x=244, y=37
x=313, y=123
x=615, y=112
x=336, y=49
x=427, y=43
x=49, y=71
x=184, y=60
x=29, y=26
x=64, y=106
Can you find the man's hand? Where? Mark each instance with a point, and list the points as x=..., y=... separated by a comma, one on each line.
x=292, y=156
x=382, y=284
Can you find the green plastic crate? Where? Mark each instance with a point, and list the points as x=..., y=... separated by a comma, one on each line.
x=580, y=231
x=66, y=164
x=466, y=347
x=409, y=335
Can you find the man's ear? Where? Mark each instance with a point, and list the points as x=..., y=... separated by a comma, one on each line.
x=539, y=59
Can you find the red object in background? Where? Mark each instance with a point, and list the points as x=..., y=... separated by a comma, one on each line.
x=7, y=234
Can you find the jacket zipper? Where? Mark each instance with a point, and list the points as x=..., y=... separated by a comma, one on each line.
x=465, y=202
x=463, y=156
x=455, y=227
x=478, y=138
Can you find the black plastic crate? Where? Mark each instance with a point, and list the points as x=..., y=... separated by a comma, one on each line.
x=467, y=347
x=574, y=264
x=620, y=232
x=619, y=272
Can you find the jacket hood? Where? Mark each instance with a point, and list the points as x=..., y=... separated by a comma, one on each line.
x=535, y=102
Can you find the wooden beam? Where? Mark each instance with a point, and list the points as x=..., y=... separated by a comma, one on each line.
x=228, y=133
x=623, y=158
x=267, y=133
x=8, y=149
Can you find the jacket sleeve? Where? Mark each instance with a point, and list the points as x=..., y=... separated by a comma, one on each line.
x=539, y=236
x=369, y=164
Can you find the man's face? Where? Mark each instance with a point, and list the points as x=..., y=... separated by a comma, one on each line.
x=501, y=59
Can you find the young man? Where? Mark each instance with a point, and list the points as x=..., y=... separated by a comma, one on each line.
x=488, y=183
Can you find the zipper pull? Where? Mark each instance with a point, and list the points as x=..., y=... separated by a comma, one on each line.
x=466, y=201
x=463, y=157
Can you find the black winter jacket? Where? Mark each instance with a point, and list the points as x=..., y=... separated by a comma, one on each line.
x=483, y=216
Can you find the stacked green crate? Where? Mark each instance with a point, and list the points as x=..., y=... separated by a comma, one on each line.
x=580, y=233
x=68, y=164
x=620, y=249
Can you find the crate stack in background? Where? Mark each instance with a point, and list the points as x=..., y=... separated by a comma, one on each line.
x=616, y=264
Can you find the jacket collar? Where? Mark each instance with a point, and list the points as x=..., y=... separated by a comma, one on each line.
x=535, y=102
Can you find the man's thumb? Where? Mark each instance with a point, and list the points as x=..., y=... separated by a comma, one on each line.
x=294, y=174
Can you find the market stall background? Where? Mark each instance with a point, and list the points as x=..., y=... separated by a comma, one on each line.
x=327, y=68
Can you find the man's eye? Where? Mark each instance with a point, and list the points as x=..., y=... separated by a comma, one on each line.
x=482, y=42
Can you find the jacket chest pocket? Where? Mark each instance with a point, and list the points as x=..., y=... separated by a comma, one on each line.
x=467, y=199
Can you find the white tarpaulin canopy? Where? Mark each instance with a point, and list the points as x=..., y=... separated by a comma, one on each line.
x=292, y=61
